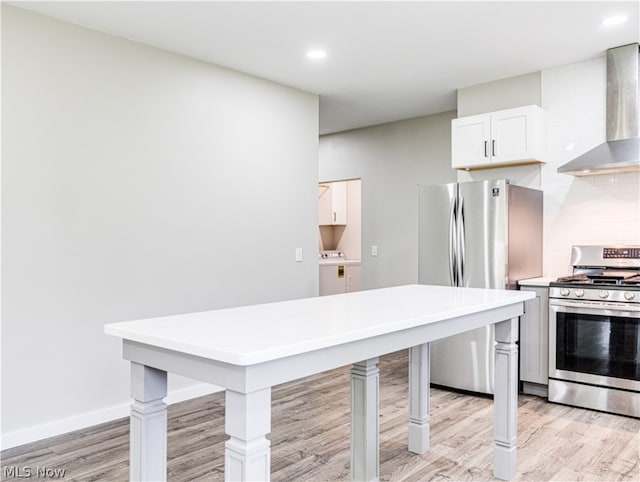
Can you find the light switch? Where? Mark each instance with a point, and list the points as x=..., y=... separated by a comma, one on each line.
x=298, y=255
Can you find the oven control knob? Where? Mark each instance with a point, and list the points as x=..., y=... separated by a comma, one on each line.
x=564, y=292
x=603, y=294
x=628, y=295
x=579, y=293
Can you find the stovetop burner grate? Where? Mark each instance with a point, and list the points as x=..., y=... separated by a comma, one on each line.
x=602, y=268
x=622, y=279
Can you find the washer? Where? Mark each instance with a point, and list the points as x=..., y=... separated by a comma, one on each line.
x=337, y=274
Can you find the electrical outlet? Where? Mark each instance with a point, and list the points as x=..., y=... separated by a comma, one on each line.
x=374, y=250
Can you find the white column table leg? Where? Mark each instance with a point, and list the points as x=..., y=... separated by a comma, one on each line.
x=506, y=399
x=419, y=381
x=364, y=421
x=247, y=421
x=148, y=424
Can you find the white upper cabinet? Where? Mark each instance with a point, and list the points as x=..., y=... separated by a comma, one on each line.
x=506, y=137
x=332, y=203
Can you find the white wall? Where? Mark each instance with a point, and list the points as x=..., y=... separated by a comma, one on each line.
x=598, y=209
x=135, y=183
x=391, y=160
x=499, y=94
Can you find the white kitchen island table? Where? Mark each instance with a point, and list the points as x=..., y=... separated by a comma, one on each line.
x=250, y=349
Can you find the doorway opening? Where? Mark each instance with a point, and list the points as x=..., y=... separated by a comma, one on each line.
x=339, y=235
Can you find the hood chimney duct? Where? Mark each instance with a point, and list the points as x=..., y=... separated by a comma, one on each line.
x=621, y=152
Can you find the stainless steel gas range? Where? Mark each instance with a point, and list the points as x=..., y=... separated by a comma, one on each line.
x=594, y=331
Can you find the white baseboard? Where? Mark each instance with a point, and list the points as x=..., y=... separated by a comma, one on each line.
x=58, y=427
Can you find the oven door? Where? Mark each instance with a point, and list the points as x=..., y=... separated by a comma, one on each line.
x=595, y=343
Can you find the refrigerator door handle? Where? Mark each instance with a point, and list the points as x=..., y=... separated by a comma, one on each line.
x=453, y=229
x=461, y=254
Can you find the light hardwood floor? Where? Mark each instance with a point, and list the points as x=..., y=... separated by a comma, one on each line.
x=310, y=438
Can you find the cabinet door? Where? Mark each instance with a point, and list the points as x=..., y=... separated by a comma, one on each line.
x=512, y=135
x=325, y=210
x=332, y=280
x=339, y=202
x=534, y=338
x=353, y=278
x=470, y=138
x=332, y=203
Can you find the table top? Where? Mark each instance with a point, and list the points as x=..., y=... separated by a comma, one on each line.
x=258, y=333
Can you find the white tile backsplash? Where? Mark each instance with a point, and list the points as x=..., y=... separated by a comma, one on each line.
x=598, y=209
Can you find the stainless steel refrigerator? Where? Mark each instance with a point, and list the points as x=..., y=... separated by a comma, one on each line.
x=483, y=234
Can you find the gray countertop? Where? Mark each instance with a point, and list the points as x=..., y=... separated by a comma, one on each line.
x=542, y=281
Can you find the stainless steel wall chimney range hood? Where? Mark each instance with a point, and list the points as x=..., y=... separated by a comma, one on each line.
x=621, y=152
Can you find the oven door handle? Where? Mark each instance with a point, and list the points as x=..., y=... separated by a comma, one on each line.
x=598, y=308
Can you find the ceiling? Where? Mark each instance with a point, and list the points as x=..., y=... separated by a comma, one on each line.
x=385, y=60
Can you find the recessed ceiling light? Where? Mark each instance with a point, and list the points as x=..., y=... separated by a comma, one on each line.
x=614, y=20
x=316, y=54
